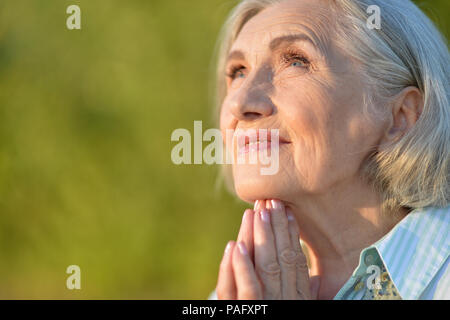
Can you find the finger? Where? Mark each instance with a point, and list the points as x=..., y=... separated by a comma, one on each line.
x=246, y=232
x=266, y=263
x=226, y=287
x=259, y=204
x=285, y=253
x=303, y=281
x=247, y=284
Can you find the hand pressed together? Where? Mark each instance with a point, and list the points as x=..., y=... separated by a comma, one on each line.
x=266, y=261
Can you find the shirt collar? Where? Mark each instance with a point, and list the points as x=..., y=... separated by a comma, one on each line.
x=415, y=249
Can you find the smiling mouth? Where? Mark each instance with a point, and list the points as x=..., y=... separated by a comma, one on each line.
x=258, y=142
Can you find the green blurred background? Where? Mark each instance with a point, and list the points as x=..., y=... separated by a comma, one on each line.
x=85, y=171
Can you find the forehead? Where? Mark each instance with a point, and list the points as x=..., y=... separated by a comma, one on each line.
x=312, y=18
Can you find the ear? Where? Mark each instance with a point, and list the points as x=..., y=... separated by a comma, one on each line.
x=406, y=110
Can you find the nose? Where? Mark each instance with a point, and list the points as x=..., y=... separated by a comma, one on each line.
x=252, y=99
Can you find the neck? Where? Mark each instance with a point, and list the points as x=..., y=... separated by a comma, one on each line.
x=335, y=227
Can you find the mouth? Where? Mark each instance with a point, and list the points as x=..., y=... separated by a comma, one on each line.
x=254, y=140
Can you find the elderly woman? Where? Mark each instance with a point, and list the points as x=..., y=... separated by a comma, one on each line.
x=364, y=124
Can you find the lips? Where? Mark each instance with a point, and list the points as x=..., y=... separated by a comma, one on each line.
x=251, y=140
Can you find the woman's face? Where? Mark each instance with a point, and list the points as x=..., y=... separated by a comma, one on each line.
x=285, y=72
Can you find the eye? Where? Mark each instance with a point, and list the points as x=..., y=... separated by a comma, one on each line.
x=236, y=72
x=239, y=74
x=294, y=59
x=298, y=61
x=298, y=64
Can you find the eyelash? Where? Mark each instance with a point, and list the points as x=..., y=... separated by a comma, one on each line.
x=286, y=58
x=234, y=70
x=291, y=55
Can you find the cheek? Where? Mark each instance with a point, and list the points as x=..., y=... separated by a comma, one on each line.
x=328, y=131
x=363, y=134
x=307, y=112
x=306, y=119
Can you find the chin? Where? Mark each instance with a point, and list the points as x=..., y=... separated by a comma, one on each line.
x=250, y=185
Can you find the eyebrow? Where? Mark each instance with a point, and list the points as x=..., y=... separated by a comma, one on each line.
x=273, y=45
x=236, y=55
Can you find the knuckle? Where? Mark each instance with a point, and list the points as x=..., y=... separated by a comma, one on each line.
x=302, y=266
x=302, y=263
x=271, y=270
x=288, y=257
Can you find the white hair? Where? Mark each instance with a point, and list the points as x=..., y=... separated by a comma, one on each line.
x=407, y=50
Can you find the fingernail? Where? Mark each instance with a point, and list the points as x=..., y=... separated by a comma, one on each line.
x=242, y=248
x=264, y=215
x=290, y=215
x=256, y=204
x=276, y=204
x=243, y=216
x=227, y=248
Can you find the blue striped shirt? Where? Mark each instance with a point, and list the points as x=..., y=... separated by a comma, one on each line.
x=410, y=262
